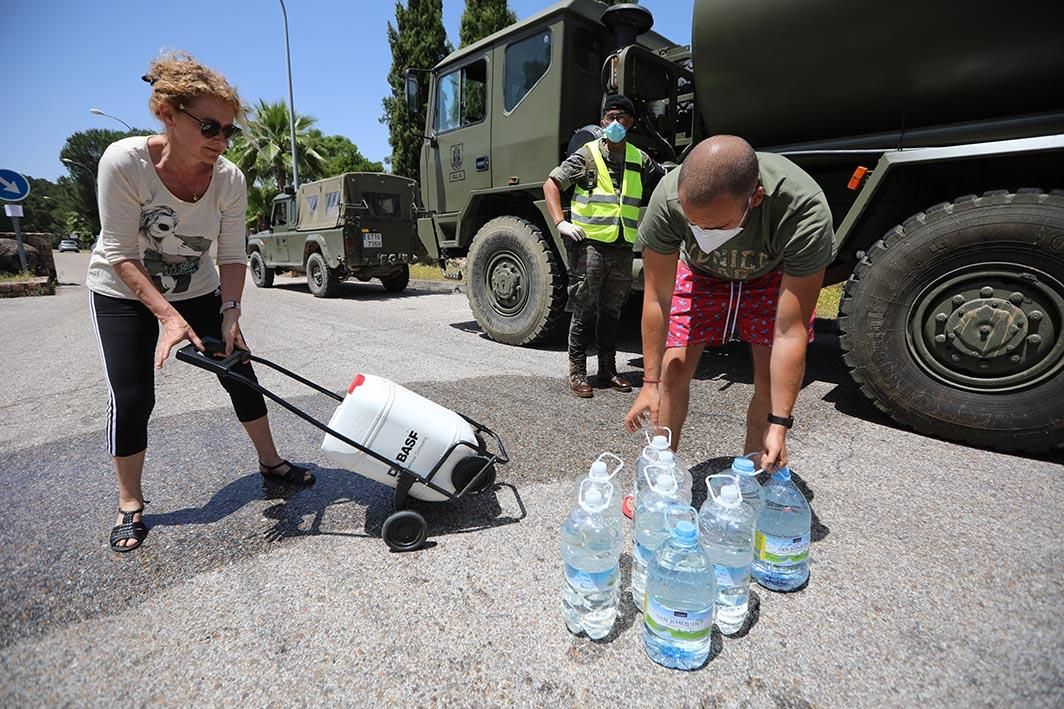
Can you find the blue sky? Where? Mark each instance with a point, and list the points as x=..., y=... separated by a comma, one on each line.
x=63, y=57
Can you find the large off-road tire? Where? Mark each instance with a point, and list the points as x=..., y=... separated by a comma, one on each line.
x=324, y=282
x=516, y=284
x=261, y=276
x=952, y=323
x=397, y=282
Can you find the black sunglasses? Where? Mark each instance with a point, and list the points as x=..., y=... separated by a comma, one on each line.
x=209, y=127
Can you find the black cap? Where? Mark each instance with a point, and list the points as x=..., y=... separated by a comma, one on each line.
x=617, y=101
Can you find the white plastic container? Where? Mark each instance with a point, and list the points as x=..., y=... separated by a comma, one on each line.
x=400, y=425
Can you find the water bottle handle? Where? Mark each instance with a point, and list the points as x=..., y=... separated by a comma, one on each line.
x=685, y=510
x=709, y=488
x=606, y=497
x=649, y=431
x=750, y=456
x=620, y=463
x=655, y=466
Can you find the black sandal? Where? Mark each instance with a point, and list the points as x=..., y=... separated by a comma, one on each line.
x=129, y=530
x=295, y=475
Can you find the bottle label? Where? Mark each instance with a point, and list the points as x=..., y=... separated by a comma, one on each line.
x=731, y=575
x=589, y=582
x=781, y=551
x=665, y=622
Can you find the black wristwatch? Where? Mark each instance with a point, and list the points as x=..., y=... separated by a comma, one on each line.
x=785, y=421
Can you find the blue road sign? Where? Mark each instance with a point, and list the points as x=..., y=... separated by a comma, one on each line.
x=13, y=186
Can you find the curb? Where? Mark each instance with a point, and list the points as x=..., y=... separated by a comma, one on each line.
x=439, y=286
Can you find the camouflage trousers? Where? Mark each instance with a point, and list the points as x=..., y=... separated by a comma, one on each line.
x=600, y=276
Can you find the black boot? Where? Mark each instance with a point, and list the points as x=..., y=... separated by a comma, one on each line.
x=578, y=383
x=607, y=373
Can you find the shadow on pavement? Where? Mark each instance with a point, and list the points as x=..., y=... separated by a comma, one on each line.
x=301, y=511
x=361, y=291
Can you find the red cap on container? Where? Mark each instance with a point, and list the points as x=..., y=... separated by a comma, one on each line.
x=356, y=382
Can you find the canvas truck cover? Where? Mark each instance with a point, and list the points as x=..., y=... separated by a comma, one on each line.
x=323, y=204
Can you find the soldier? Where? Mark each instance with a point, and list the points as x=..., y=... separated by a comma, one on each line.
x=610, y=180
x=734, y=247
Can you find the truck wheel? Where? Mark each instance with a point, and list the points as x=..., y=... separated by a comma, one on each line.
x=953, y=323
x=324, y=282
x=261, y=276
x=396, y=283
x=516, y=285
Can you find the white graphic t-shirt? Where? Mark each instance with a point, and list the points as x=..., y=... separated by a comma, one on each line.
x=141, y=220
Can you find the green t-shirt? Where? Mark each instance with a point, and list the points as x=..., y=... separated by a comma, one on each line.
x=792, y=226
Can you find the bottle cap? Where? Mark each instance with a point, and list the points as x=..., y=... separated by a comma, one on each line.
x=730, y=496
x=665, y=483
x=742, y=466
x=783, y=473
x=599, y=471
x=659, y=442
x=685, y=532
x=592, y=498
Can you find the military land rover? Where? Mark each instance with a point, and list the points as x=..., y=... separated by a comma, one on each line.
x=936, y=134
x=358, y=225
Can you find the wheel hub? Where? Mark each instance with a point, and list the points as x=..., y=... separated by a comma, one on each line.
x=989, y=327
x=506, y=282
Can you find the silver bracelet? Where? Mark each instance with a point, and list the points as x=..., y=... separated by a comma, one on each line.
x=230, y=305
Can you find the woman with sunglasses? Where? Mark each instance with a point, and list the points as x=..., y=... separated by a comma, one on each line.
x=164, y=201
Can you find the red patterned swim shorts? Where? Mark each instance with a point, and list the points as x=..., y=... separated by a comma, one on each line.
x=711, y=311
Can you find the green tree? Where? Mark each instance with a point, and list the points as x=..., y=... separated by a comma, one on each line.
x=264, y=149
x=341, y=155
x=84, y=150
x=482, y=18
x=418, y=40
x=260, y=201
x=44, y=208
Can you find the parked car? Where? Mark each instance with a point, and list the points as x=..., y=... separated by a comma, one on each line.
x=69, y=245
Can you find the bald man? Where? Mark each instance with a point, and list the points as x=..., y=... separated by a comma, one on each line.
x=735, y=244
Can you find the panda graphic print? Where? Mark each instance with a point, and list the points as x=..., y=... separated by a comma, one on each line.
x=169, y=257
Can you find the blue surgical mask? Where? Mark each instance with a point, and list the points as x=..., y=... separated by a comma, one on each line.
x=615, y=132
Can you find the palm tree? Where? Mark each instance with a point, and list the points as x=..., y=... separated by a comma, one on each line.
x=263, y=150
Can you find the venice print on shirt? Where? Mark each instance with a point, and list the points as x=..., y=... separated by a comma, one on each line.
x=170, y=258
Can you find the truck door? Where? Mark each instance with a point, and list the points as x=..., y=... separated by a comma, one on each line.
x=276, y=245
x=461, y=162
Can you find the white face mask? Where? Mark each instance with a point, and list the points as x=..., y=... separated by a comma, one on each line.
x=712, y=239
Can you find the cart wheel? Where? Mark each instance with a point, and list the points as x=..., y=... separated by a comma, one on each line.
x=404, y=531
x=467, y=469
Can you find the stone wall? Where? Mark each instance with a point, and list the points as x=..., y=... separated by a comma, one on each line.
x=38, y=254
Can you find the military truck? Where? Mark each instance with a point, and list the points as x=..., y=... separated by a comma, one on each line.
x=937, y=135
x=355, y=225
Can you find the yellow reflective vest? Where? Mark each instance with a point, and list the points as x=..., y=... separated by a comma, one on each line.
x=601, y=212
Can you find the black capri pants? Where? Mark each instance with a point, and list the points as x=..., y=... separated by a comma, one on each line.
x=128, y=333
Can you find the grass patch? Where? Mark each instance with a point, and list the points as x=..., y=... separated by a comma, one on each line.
x=15, y=277
x=827, y=306
x=425, y=272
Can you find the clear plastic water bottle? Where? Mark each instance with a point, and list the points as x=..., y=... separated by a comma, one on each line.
x=667, y=459
x=743, y=469
x=591, y=550
x=600, y=472
x=655, y=502
x=781, y=543
x=726, y=533
x=649, y=456
x=678, y=619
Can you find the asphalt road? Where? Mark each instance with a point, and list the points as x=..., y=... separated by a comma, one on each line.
x=936, y=569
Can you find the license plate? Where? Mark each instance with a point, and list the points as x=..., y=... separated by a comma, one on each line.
x=372, y=240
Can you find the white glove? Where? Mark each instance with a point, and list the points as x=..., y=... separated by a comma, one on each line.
x=571, y=230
